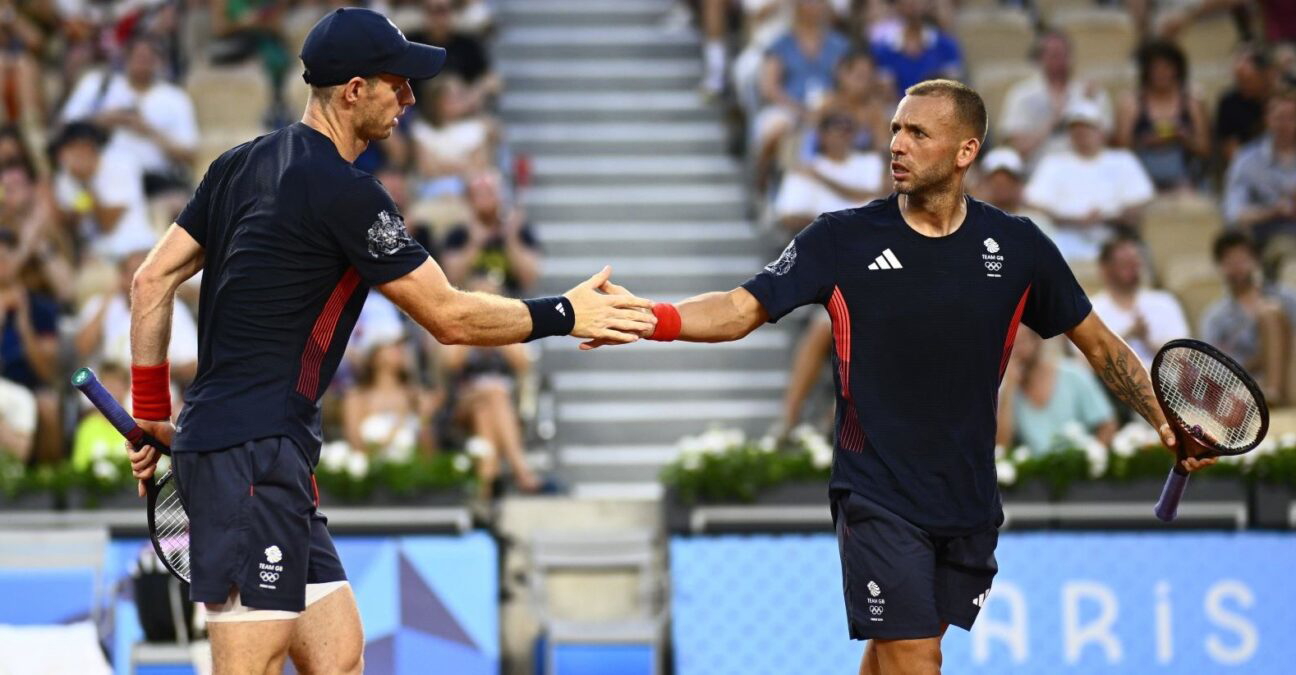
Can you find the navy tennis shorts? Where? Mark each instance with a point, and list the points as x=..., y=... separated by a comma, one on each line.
x=900, y=581
x=253, y=525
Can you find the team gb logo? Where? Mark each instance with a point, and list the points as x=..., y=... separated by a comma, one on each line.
x=991, y=245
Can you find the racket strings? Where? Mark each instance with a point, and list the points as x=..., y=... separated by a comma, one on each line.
x=1211, y=400
x=171, y=529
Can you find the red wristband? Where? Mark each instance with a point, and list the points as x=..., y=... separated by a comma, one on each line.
x=151, y=391
x=668, y=322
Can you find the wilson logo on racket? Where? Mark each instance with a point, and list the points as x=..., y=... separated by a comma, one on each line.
x=1211, y=396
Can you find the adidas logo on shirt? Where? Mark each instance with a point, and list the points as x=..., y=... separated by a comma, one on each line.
x=979, y=601
x=886, y=261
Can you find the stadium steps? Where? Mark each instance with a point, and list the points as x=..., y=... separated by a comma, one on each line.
x=629, y=168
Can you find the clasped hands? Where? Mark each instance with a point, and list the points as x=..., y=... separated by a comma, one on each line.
x=608, y=314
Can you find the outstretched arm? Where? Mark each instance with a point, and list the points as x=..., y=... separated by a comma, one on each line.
x=1120, y=369
x=720, y=317
x=453, y=316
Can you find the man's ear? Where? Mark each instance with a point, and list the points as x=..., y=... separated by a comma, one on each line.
x=351, y=90
x=968, y=152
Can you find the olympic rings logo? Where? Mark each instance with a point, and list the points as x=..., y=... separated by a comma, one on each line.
x=269, y=577
x=994, y=266
x=875, y=610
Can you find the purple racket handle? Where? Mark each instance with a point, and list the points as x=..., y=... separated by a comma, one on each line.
x=1167, y=507
x=85, y=380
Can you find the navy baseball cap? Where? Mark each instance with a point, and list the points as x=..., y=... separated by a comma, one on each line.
x=354, y=42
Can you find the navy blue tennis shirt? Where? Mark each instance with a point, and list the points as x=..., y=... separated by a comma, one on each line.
x=922, y=329
x=293, y=237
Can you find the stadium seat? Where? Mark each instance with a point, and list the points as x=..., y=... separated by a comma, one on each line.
x=1089, y=275
x=1116, y=79
x=1098, y=36
x=1193, y=279
x=1208, y=40
x=1178, y=228
x=297, y=23
x=1047, y=10
x=408, y=18
x=213, y=89
x=990, y=37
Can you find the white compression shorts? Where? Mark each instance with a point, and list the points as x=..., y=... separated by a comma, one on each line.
x=235, y=610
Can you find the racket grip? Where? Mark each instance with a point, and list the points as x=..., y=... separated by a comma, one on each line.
x=88, y=384
x=1167, y=507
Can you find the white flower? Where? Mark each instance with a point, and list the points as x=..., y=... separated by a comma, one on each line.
x=1287, y=440
x=1132, y=437
x=767, y=444
x=461, y=463
x=821, y=453
x=100, y=449
x=1000, y=452
x=1020, y=454
x=357, y=465
x=691, y=461
x=1007, y=472
x=333, y=456
x=104, y=470
x=690, y=445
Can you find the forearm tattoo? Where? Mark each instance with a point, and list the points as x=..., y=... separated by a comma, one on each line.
x=1129, y=382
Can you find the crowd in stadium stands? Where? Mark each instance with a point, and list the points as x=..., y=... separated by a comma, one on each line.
x=1141, y=136
x=1150, y=139
x=109, y=112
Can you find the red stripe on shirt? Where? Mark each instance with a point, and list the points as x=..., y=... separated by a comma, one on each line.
x=1011, y=337
x=849, y=436
x=322, y=334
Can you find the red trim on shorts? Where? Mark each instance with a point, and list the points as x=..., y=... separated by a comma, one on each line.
x=1011, y=337
x=322, y=334
x=849, y=436
x=315, y=489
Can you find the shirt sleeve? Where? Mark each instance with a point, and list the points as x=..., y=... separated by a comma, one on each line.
x=1056, y=302
x=194, y=216
x=802, y=274
x=1167, y=321
x=371, y=233
x=1136, y=187
x=120, y=183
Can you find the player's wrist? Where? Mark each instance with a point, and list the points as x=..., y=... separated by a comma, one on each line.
x=550, y=316
x=151, y=391
x=668, y=322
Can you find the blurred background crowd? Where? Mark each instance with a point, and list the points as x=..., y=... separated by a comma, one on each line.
x=1154, y=140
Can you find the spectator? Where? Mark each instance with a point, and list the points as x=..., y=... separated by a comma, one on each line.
x=386, y=414
x=916, y=49
x=27, y=214
x=1144, y=317
x=1089, y=188
x=151, y=119
x=837, y=177
x=450, y=140
x=1260, y=189
x=466, y=56
x=1239, y=118
x=23, y=102
x=1034, y=110
x=103, y=327
x=1162, y=122
x=1252, y=322
x=795, y=76
x=496, y=241
x=1003, y=184
x=859, y=94
x=100, y=193
x=481, y=383
x=29, y=346
x=1043, y=392
x=17, y=420
x=248, y=29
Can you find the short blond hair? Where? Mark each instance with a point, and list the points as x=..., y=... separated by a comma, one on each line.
x=968, y=104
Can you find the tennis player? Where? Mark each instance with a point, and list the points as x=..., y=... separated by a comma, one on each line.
x=290, y=237
x=925, y=289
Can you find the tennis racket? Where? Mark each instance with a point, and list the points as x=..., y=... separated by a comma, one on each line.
x=1209, y=397
x=168, y=523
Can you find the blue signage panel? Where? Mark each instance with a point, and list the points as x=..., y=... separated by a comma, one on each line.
x=1062, y=603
